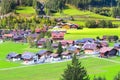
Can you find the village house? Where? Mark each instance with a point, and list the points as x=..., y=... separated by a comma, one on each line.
x=41, y=42
x=58, y=36
x=90, y=48
x=28, y=58
x=73, y=49
x=66, y=55
x=66, y=43
x=13, y=56
x=104, y=51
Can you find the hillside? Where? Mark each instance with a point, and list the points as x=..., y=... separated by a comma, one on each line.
x=81, y=16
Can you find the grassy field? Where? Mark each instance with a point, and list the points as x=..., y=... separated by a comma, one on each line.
x=52, y=71
x=90, y=33
x=25, y=10
x=17, y=71
x=81, y=16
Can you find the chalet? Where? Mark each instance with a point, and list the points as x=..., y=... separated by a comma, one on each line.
x=41, y=42
x=55, y=57
x=117, y=45
x=66, y=55
x=73, y=49
x=27, y=56
x=104, y=43
x=18, y=38
x=66, y=26
x=37, y=30
x=7, y=35
x=58, y=31
x=90, y=48
x=66, y=43
x=55, y=45
x=84, y=40
x=104, y=51
x=74, y=26
x=13, y=56
x=42, y=52
x=58, y=36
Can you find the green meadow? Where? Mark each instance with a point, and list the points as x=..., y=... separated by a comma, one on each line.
x=52, y=71
x=25, y=10
x=80, y=16
x=74, y=34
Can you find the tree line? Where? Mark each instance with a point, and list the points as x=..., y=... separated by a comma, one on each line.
x=52, y=6
x=100, y=24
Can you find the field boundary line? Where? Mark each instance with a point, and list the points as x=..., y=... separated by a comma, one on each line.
x=11, y=68
x=114, y=61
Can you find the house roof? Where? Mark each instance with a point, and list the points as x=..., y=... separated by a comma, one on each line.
x=37, y=30
x=84, y=40
x=67, y=41
x=42, y=52
x=105, y=49
x=65, y=53
x=12, y=54
x=117, y=45
x=89, y=46
x=54, y=55
x=58, y=35
x=28, y=55
x=8, y=35
x=55, y=45
x=71, y=48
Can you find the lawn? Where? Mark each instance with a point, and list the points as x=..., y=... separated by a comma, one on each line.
x=25, y=10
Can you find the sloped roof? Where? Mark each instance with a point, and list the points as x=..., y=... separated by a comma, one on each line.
x=92, y=46
x=28, y=55
x=105, y=49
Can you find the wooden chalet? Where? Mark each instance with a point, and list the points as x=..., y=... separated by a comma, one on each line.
x=90, y=48
x=58, y=36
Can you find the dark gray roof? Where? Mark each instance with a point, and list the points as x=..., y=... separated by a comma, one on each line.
x=42, y=52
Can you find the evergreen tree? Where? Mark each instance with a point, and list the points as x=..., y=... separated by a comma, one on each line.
x=75, y=71
x=99, y=78
x=117, y=77
x=60, y=49
x=49, y=45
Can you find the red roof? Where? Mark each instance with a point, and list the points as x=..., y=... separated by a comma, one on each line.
x=64, y=42
x=58, y=35
x=105, y=49
x=8, y=35
x=37, y=30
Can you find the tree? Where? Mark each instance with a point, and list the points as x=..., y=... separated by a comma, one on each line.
x=99, y=78
x=60, y=49
x=75, y=71
x=49, y=45
x=117, y=77
x=5, y=6
x=31, y=42
x=91, y=24
x=35, y=4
